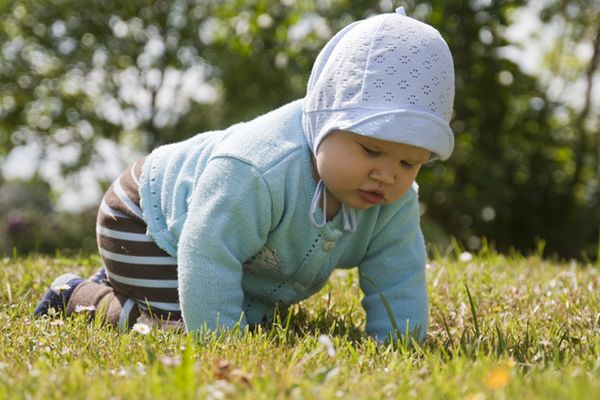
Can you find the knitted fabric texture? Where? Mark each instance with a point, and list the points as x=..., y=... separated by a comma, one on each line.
x=232, y=206
x=389, y=77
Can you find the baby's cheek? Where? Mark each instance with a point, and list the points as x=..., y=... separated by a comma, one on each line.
x=397, y=194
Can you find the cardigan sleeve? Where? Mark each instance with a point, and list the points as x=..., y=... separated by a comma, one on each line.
x=393, y=272
x=228, y=219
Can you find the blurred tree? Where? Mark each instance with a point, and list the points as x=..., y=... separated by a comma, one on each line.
x=526, y=163
x=145, y=72
x=572, y=64
x=74, y=71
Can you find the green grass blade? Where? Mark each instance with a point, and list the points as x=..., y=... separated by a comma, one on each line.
x=473, y=312
x=386, y=305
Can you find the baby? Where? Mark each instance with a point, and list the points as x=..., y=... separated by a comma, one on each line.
x=228, y=226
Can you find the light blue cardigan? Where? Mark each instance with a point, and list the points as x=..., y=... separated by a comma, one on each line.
x=233, y=207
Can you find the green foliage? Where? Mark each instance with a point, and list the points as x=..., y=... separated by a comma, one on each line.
x=524, y=328
x=521, y=171
x=144, y=73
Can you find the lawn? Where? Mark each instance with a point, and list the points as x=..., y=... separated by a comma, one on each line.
x=502, y=327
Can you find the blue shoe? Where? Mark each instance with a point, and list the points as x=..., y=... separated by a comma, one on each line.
x=100, y=277
x=58, y=295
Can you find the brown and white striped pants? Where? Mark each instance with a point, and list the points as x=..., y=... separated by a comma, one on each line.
x=141, y=276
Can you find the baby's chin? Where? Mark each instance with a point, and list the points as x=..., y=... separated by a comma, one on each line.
x=366, y=206
x=363, y=205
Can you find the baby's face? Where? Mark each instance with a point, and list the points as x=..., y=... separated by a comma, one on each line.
x=362, y=172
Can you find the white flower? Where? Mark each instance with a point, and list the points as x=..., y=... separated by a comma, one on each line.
x=171, y=361
x=79, y=308
x=119, y=372
x=465, y=256
x=327, y=344
x=220, y=389
x=141, y=368
x=141, y=328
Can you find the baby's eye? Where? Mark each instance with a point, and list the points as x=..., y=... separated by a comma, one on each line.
x=370, y=152
x=407, y=165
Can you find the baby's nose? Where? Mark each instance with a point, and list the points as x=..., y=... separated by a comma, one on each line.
x=385, y=176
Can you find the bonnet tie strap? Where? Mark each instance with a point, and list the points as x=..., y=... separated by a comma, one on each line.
x=314, y=204
x=348, y=213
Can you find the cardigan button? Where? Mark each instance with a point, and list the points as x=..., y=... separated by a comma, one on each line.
x=328, y=246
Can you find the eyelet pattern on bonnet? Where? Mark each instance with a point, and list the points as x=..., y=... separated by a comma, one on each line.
x=389, y=77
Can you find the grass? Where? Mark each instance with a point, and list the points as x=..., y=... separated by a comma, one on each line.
x=502, y=327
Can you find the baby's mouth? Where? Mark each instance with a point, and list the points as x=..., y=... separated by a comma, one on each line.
x=372, y=196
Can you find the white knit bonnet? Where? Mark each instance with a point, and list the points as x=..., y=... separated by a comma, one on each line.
x=389, y=77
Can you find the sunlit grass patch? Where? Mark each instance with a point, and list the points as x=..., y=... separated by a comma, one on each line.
x=501, y=327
